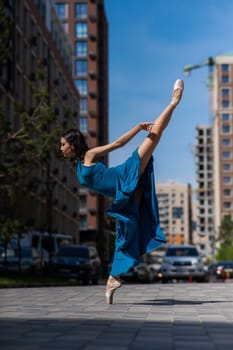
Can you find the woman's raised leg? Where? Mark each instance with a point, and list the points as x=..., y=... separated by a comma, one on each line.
x=147, y=147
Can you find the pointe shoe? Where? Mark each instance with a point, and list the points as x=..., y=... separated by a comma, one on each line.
x=177, y=92
x=110, y=289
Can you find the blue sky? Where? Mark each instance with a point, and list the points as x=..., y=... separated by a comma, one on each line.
x=150, y=42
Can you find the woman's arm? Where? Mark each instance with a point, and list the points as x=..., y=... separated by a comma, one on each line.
x=94, y=154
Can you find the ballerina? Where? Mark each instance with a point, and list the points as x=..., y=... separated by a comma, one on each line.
x=130, y=185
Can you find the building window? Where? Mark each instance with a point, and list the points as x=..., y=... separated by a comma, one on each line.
x=225, y=129
x=227, y=192
x=226, y=142
x=61, y=9
x=81, y=67
x=225, y=117
x=81, y=10
x=81, y=30
x=80, y=48
x=83, y=202
x=83, y=124
x=83, y=105
x=226, y=179
x=225, y=79
x=225, y=92
x=225, y=67
x=81, y=85
x=225, y=104
x=226, y=154
x=226, y=167
x=227, y=205
x=177, y=212
x=83, y=222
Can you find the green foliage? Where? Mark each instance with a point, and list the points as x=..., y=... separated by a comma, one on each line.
x=225, y=251
x=32, y=146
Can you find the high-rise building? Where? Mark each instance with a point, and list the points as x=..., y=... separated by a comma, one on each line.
x=37, y=37
x=86, y=24
x=223, y=137
x=175, y=210
x=205, y=232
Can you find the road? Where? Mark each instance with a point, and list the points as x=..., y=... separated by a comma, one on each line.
x=181, y=316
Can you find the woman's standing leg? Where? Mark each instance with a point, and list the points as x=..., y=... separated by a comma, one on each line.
x=147, y=147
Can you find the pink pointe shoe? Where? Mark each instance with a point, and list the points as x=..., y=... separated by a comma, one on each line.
x=111, y=286
x=177, y=92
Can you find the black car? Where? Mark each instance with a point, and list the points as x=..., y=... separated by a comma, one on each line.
x=220, y=270
x=79, y=262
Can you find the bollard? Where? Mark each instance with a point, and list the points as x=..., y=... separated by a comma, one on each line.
x=190, y=277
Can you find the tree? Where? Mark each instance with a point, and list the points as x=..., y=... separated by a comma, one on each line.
x=225, y=238
x=29, y=148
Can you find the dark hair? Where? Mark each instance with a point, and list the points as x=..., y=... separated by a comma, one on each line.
x=77, y=139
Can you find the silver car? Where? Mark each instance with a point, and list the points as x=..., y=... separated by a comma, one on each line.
x=182, y=262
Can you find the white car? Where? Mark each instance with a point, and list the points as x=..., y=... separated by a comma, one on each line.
x=182, y=262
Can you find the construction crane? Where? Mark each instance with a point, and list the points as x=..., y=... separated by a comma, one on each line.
x=210, y=62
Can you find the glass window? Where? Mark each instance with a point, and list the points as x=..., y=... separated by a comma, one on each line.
x=225, y=79
x=81, y=10
x=61, y=9
x=83, y=125
x=226, y=179
x=225, y=142
x=226, y=167
x=83, y=105
x=226, y=129
x=225, y=104
x=227, y=192
x=226, y=154
x=81, y=85
x=83, y=202
x=227, y=205
x=83, y=222
x=177, y=212
x=225, y=67
x=81, y=67
x=80, y=48
x=81, y=30
x=225, y=92
x=225, y=116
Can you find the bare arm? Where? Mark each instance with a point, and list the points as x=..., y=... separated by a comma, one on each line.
x=94, y=154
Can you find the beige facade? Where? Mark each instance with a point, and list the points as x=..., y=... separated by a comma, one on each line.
x=175, y=211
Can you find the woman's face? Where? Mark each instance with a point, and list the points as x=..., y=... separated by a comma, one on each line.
x=67, y=149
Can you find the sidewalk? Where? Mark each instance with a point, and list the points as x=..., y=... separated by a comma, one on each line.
x=183, y=316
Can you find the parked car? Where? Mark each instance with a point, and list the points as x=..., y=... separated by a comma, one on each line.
x=182, y=262
x=146, y=271
x=79, y=262
x=29, y=261
x=220, y=270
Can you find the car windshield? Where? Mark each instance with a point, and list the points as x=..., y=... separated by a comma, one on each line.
x=182, y=252
x=77, y=252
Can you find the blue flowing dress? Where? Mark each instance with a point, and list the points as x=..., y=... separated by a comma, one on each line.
x=138, y=228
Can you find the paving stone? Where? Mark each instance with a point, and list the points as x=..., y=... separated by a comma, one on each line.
x=176, y=316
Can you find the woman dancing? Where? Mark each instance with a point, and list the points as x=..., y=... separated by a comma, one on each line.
x=130, y=184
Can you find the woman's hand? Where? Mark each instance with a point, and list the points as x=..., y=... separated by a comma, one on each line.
x=146, y=126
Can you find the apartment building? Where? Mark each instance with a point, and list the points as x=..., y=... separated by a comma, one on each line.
x=204, y=193
x=85, y=22
x=175, y=209
x=223, y=137
x=38, y=36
